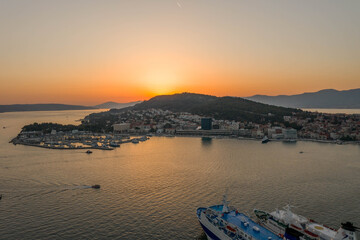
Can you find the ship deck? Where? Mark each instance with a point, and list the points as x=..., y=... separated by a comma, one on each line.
x=239, y=220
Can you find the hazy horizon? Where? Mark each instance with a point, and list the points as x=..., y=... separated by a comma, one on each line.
x=88, y=52
x=140, y=100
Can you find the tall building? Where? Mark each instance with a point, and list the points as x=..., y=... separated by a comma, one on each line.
x=206, y=123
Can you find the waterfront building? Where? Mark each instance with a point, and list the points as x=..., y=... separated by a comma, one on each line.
x=233, y=125
x=275, y=132
x=259, y=134
x=206, y=123
x=217, y=132
x=290, y=133
x=245, y=132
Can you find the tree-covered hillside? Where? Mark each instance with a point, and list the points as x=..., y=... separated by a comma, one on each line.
x=229, y=108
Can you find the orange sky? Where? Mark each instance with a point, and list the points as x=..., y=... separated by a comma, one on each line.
x=88, y=52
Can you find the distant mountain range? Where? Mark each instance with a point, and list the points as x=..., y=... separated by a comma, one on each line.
x=60, y=107
x=41, y=107
x=116, y=105
x=328, y=98
x=229, y=108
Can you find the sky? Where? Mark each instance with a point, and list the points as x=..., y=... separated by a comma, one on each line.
x=89, y=51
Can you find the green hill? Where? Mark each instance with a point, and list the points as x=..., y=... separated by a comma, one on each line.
x=227, y=108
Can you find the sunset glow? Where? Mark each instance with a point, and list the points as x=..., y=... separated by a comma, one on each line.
x=88, y=52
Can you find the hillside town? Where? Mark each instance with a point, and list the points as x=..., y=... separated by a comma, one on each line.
x=109, y=130
x=319, y=126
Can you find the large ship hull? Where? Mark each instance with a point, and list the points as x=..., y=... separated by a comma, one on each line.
x=212, y=232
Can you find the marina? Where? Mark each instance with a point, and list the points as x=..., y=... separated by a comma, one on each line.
x=74, y=140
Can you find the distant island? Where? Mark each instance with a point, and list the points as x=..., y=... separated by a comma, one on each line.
x=328, y=98
x=41, y=107
x=61, y=107
x=116, y=105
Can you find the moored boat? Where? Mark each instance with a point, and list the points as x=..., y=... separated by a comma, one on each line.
x=114, y=144
x=265, y=139
x=291, y=226
x=223, y=222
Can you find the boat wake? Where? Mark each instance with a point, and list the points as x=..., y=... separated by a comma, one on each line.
x=80, y=187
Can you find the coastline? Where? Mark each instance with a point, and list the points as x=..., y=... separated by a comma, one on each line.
x=139, y=137
x=16, y=141
x=59, y=148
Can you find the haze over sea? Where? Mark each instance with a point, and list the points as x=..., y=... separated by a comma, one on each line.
x=334, y=111
x=151, y=190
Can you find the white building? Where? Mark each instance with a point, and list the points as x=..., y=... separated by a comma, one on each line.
x=290, y=133
x=234, y=125
x=275, y=132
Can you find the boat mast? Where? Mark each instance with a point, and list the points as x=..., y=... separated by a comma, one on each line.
x=225, y=204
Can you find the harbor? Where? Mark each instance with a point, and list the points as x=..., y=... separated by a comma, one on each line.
x=74, y=140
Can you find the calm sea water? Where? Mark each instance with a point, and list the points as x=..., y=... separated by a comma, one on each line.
x=151, y=190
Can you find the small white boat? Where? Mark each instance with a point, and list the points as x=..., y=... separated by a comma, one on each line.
x=265, y=139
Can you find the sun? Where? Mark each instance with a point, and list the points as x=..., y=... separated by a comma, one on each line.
x=161, y=82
